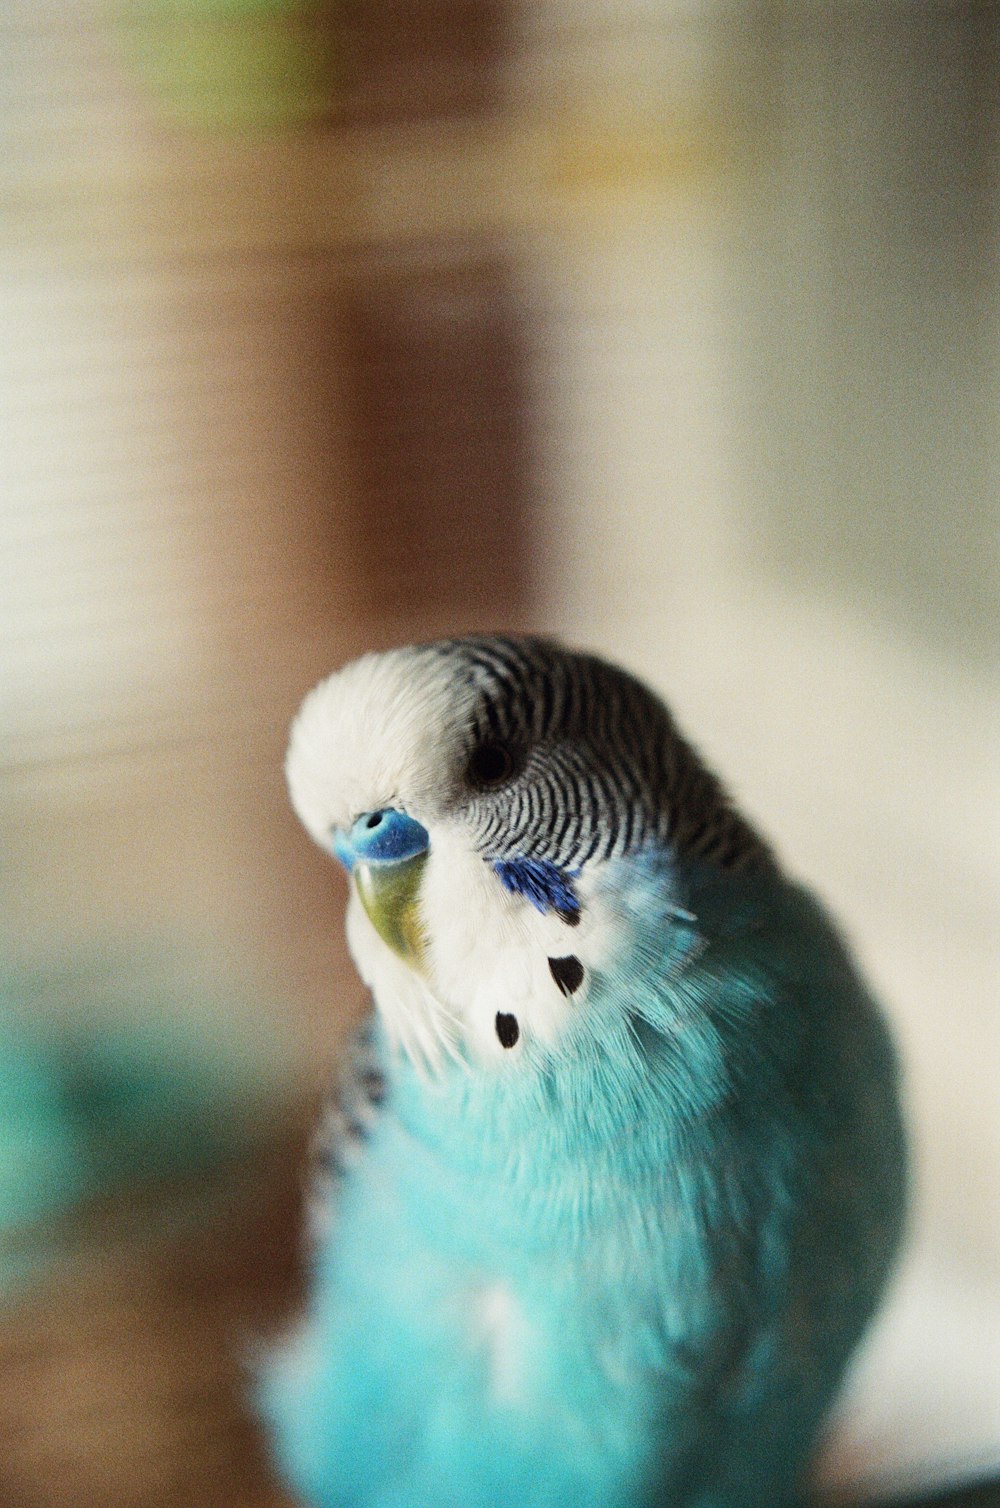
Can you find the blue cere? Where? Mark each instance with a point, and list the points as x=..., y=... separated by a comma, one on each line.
x=342, y=848
x=383, y=837
x=541, y=882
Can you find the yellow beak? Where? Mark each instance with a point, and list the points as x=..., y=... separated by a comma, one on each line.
x=390, y=895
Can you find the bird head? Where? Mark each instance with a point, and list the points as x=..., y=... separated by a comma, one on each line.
x=514, y=818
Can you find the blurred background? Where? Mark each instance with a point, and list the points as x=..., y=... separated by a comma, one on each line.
x=672, y=328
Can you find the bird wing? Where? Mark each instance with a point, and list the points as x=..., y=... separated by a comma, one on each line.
x=349, y=1113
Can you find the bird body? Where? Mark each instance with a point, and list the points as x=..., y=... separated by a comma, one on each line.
x=634, y=1177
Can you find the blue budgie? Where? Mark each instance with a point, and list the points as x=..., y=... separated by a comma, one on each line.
x=613, y=1176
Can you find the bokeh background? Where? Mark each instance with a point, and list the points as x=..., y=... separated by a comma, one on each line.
x=673, y=328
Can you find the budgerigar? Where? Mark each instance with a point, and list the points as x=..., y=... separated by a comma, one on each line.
x=615, y=1168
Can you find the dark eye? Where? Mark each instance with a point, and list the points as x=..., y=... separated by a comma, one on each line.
x=490, y=764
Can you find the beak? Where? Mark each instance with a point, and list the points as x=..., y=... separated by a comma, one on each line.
x=385, y=853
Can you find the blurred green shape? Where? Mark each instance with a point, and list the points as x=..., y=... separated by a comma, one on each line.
x=43, y=1167
x=234, y=64
x=116, y=1072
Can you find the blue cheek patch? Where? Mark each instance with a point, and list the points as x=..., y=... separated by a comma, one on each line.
x=547, y=887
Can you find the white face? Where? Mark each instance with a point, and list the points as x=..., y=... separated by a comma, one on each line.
x=392, y=731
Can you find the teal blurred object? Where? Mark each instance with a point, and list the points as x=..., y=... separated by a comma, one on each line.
x=115, y=1073
x=42, y=1165
x=234, y=64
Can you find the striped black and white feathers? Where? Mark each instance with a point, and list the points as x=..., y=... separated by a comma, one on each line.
x=590, y=765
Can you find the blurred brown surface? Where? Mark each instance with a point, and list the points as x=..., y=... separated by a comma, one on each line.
x=435, y=355
x=124, y=1376
x=422, y=59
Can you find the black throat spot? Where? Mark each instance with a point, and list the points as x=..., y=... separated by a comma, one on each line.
x=508, y=1030
x=567, y=973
